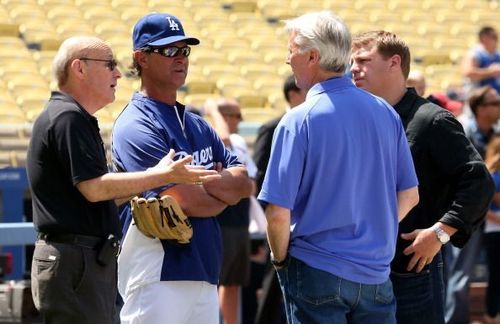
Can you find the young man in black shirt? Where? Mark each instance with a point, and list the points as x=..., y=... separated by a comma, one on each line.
x=455, y=187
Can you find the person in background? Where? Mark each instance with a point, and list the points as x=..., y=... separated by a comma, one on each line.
x=73, y=274
x=454, y=192
x=225, y=114
x=161, y=281
x=492, y=236
x=416, y=79
x=339, y=179
x=262, y=147
x=481, y=66
x=484, y=103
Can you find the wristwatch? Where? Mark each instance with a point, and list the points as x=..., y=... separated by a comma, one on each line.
x=442, y=236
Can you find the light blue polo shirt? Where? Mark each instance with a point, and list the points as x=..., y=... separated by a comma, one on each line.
x=337, y=162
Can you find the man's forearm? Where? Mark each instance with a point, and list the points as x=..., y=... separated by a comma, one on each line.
x=195, y=201
x=407, y=199
x=232, y=187
x=278, y=230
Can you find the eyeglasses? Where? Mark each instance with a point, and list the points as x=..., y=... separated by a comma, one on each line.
x=110, y=64
x=495, y=103
x=170, y=51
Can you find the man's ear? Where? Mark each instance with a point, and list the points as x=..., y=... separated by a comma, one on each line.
x=141, y=58
x=77, y=68
x=395, y=61
x=314, y=56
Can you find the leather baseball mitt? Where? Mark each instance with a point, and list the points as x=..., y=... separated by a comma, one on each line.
x=161, y=218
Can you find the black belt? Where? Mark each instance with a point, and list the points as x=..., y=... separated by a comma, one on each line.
x=90, y=242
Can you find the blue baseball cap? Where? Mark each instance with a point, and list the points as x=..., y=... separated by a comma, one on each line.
x=158, y=29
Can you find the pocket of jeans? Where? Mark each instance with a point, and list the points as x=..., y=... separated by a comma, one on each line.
x=412, y=290
x=315, y=286
x=384, y=293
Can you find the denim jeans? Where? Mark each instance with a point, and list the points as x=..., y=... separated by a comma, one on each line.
x=315, y=296
x=420, y=296
x=459, y=267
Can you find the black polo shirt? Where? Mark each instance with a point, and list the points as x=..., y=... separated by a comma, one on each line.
x=454, y=185
x=65, y=149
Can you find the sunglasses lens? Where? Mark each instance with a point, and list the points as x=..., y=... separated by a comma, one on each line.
x=176, y=51
x=171, y=51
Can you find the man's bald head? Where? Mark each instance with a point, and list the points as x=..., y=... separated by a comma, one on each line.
x=71, y=49
x=416, y=79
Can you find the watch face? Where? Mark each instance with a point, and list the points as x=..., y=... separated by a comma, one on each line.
x=443, y=236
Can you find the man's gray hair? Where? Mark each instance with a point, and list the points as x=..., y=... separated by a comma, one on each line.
x=325, y=32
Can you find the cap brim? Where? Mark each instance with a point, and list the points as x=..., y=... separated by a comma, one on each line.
x=173, y=39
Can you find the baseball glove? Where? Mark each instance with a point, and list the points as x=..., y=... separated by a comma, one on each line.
x=161, y=218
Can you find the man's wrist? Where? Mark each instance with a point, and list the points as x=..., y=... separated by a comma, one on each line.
x=441, y=234
x=278, y=263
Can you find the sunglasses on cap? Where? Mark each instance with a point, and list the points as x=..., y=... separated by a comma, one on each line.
x=170, y=51
x=110, y=64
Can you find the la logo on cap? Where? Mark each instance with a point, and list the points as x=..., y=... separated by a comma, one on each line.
x=172, y=24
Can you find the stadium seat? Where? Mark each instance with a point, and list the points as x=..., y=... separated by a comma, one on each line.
x=203, y=57
x=9, y=29
x=253, y=71
x=240, y=5
x=68, y=29
x=268, y=85
x=101, y=13
x=259, y=115
x=434, y=57
x=304, y=6
x=13, y=144
x=216, y=71
x=18, y=158
x=200, y=86
x=63, y=13
x=242, y=56
x=11, y=131
x=197, y=100
x=5, y=159
x=113, y=29
x=247, y=101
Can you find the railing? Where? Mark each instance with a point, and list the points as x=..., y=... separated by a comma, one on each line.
x=13, y=232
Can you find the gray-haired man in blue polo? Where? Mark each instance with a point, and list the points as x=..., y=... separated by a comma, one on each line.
x=339, y=178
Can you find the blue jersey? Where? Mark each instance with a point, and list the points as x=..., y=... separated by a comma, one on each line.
x=337, y=162
x=485, y=59
x=142, y=135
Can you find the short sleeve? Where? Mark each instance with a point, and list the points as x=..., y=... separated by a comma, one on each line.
x=79, y=146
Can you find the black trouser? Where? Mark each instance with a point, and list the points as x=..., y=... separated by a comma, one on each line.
x=69, y=286
x=492, y=245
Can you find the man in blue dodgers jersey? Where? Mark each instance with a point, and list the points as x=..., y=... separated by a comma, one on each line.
x=339, y=178
x=154, y=275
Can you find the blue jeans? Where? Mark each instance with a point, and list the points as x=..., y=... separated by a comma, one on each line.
x=420, y=296
x=316, y=296
x=459, y=267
